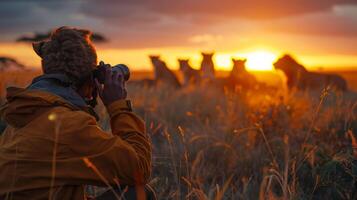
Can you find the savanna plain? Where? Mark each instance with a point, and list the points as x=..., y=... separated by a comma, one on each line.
x=213, y=143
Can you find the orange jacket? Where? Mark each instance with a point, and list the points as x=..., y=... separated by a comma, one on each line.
x=52, y=149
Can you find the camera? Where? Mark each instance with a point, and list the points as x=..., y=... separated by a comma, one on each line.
x=99, y=73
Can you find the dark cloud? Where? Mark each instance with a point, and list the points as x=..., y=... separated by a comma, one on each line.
x=253, y=9
x=28, y=16
x=144, y=23
x=176, y=21
x=323, y=24
x=14, y=10
x=16, y=18
x=95, y=37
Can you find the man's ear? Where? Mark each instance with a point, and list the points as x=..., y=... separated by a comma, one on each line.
x=37, y=46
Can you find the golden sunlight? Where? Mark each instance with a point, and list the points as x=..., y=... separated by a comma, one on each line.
x=260, y=60
x=223, y=61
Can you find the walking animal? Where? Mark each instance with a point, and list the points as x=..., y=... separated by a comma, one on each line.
x=298, y=77
x=162, y=73
x=190, y=75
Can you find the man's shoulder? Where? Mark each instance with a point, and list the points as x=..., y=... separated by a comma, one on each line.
x=69, y=117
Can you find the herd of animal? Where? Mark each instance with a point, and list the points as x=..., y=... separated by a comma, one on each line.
x=296, y=75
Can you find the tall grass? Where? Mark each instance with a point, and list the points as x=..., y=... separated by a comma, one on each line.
x=211, y=143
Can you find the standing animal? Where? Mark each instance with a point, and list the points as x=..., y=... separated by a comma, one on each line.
x=162, y=73
x=240, y=76
x=298, y=77
x=207, y=66
x=240, y=73
x=190, y=75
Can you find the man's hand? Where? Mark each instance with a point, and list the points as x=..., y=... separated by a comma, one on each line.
x=113, y=88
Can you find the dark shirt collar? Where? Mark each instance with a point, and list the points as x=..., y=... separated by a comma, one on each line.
x=62, y=86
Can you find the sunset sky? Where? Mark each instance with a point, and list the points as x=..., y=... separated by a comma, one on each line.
x=319, y=33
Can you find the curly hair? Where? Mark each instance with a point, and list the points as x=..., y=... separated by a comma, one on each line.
x=69, y=51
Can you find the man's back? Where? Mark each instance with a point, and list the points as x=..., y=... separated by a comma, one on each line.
x=51, y=148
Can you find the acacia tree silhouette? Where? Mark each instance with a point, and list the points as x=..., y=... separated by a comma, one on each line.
x=96, y=37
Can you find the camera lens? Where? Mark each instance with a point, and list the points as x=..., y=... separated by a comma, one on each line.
x=123, y=69
x=99, y=73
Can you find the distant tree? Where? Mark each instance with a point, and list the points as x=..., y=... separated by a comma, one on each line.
x=33, y=38
x=7, y=63
x=96, y=37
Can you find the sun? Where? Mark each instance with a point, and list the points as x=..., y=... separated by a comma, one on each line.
x=260, y=60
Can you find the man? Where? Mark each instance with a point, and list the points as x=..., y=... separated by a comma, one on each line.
x=53, y=147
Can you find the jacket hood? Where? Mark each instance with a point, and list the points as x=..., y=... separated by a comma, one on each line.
x=24, y=105
x=60, y=85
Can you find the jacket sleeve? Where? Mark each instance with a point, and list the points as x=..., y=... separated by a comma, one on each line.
x=121, y=157
x=131, y=129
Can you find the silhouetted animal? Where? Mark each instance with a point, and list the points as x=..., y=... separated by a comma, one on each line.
x=297, y=76
x=9, y=64
x=240, y=76
x=163, y=73
x=190, y=75
x=207, y=66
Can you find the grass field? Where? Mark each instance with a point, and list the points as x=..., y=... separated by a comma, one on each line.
x=210, y=143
